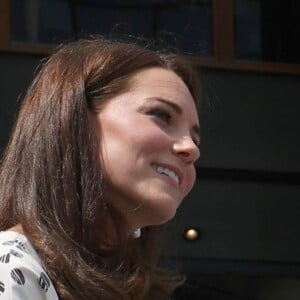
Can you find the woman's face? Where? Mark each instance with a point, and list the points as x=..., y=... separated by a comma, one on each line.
x=148, y=140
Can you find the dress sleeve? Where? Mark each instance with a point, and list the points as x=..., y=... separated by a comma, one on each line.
x=22, y=279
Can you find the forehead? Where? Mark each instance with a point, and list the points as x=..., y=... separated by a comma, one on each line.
x=158, y=77
x=159, y=82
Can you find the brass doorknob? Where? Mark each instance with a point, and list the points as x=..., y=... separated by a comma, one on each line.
x=191, y=234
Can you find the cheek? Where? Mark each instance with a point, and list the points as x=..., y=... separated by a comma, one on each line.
x=149, y=138
x=131, y=144
x=191, y=179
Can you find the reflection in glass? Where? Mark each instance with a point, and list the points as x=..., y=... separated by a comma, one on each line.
x=191, y=25
x=186, y=25
x=268, y=30
x=40, y=20
x=248, y=29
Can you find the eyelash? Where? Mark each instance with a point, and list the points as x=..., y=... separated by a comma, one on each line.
x=161, y=114
x=197, y=143
x=166, y=117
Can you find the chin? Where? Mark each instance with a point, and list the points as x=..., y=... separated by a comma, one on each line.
x=161, y=215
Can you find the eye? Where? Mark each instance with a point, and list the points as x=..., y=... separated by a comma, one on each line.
x=196, y=142
x=161, y=114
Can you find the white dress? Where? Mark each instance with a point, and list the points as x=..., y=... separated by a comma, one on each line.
x=21, y=273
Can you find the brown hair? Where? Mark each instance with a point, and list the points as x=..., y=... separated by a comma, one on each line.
x=51, y=180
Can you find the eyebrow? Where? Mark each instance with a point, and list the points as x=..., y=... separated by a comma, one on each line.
x=178, y=110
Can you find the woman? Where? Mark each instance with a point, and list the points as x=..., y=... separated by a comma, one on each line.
x=103, y=148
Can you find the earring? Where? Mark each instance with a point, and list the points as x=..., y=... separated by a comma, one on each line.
x=137, y=233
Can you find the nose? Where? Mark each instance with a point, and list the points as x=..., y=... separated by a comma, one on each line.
x=186, y=149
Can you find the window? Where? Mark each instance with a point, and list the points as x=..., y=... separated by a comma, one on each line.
x=267, y=30
x=186, y=25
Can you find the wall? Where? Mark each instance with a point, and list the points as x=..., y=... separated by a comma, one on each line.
x=16, y=74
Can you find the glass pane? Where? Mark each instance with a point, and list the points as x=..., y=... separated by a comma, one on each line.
x=268, y=30
x=189, y=25
x=106, y=20
x=45, y=21
x=183, y=24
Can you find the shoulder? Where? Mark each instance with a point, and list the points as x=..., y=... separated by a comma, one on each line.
x=21, y=273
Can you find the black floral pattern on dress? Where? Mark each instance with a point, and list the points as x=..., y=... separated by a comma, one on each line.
x=20, y=245
x=8, y=243
x=16, y=253
x=17, y=276
x=17, y=243
x=5, y=258
x=44, y=282
x=2, y=288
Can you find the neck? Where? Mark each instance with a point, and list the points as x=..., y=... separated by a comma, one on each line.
x=17, y=228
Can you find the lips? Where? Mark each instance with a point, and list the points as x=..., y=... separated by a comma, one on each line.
x=171, y=171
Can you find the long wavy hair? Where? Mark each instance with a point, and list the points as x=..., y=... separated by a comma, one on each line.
x=51, y=180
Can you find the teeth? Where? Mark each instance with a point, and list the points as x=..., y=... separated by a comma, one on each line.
x=167, y=172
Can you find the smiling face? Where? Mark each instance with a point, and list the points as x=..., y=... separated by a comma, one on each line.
x=148, y=139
